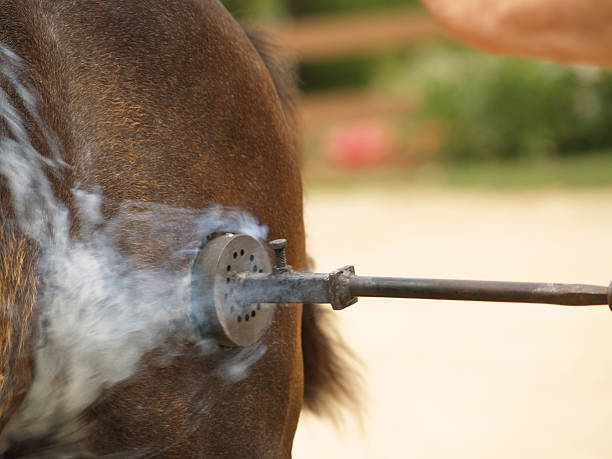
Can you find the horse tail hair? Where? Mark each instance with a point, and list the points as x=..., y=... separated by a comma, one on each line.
x=332, y=380
x=281, y=69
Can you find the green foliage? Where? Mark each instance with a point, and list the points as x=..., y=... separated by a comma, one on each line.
x=340, y=73
x=302, y=7
x=266, y=9
x=506, y=108
x=255, y=9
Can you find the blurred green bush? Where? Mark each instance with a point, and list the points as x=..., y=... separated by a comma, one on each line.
x=509, y=108
x=255, y=9
x=265, y=9
x=302, y=7
x=338, y=73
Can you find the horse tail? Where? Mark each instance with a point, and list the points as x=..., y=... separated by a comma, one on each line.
x=330, y=379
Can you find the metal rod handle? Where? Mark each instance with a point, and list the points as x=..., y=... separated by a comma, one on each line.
x=470, y=290
x=342, y=287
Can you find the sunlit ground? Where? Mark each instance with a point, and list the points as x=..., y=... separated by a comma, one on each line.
x=463, y=380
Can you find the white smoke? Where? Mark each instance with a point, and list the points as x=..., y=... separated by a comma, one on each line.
x=99, y=310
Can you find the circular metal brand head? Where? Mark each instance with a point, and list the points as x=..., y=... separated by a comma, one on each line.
x=214, y=308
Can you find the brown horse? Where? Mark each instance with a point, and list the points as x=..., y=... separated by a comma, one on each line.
x=168, y=102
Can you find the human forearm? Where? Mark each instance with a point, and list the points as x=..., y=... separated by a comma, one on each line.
x=565, y=30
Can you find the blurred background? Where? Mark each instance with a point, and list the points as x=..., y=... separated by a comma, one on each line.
x=388, y=97
x=424, y=158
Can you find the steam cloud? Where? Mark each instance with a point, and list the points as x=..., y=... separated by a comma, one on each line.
x=99, y=310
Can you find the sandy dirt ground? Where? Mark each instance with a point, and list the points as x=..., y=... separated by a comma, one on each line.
x=471, y=380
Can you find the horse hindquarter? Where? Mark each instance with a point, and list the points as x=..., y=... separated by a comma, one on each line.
x=170, y=103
